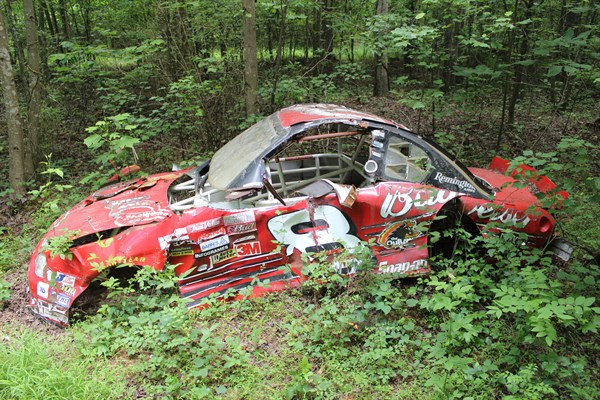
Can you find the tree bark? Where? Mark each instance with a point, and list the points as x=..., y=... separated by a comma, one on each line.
x=280, y=44
x=382, y=85
x=65, y=19
x=34, y=106
x=18, y=49
x=250, y=59
x=16, y=175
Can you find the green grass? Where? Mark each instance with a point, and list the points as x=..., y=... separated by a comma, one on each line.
x=38, y=366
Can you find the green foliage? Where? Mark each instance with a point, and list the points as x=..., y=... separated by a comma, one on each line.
x=37, y=366
x=345, y=80
x=50, y=194
x=110, y=139
x=4, y=292
x=184, y=359
x=179, y=112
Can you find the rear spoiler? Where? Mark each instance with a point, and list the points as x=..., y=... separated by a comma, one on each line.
x=541, y=182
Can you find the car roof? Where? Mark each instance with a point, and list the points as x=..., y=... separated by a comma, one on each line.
x=303, y=113
x=237, y=165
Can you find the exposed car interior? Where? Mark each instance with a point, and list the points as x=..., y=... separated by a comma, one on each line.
x=340, y=153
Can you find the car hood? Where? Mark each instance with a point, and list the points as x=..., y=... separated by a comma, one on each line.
x=133, y=203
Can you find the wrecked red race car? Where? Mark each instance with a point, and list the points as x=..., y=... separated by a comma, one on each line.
x=307, y=179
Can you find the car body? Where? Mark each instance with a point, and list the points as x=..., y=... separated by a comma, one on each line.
x=307, y=179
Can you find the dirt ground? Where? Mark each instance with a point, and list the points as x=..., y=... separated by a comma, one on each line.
x=15, y=310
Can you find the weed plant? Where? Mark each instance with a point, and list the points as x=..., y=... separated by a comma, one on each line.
x=502, y=322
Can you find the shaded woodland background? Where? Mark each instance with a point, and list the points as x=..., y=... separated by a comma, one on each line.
x=181, y=77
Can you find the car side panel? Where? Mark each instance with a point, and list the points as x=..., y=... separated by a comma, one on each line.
x=235, y=249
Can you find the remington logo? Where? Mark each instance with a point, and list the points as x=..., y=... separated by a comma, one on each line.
x=463, y=185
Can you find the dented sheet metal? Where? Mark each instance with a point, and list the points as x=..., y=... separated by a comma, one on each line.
x=253, y=214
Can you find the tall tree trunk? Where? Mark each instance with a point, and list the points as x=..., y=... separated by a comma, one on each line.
x=328, y=27
x=50, y=19
x=382, y=86
x=519, y=69
x=250, y=60
x=280, y=44
x=34, y=106
x=18, y=49
x=16, y=175
x=64, y=18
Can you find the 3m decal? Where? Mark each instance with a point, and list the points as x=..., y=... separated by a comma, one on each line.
x=204, y=225
x=508, y=216
x=241, y=228
x=211, y=252
x=327, y=229
x=403, y=267
x=223, y=256
x=464, y=186
x=398, y=204
x=239, y=218
x=43, y=290
x=214, y=243
x=399, y=234
x=248, y=249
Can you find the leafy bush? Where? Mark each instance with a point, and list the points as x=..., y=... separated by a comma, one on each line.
x=154, y=327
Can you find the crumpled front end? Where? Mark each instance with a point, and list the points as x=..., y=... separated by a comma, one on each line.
x=52, y=292
x=118, y=225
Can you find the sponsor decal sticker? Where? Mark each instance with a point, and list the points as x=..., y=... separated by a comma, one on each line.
x=43, y=290
x=508, y=216
x=211, y=234
x=244, y=239
x=398, y=204
x=57, y=309
x=178, y=235
x=63, y=300
x=214, y=243
x=135, y=211
x=202, y=267
x=399, y=234
x=248, y=249
x=66, y=280
x=181, y=251
x=204, y=225
x=403, y=267
x=211, y=252
x=68, y=290
x=244, y=217
x=117, y=260
x=223, y=256
x=241, y=228
x=462, y=185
